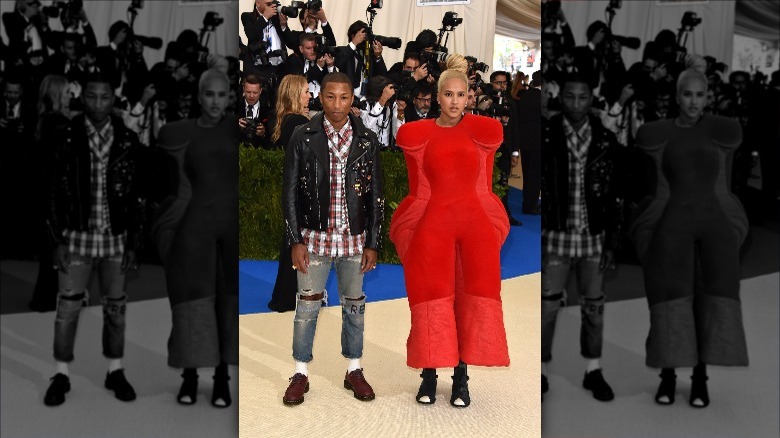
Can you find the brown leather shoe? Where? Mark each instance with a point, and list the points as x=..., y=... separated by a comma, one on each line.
x=356, y=382
x=299, y=384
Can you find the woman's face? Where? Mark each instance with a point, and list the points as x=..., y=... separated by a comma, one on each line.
x=453, y=98
x=213, y=98
x=305, y=96
x=692, y=98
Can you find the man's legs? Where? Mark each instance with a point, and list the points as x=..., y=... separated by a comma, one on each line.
x=353, y=306
x=311, y=291
x=555, y=271
x=589, y=284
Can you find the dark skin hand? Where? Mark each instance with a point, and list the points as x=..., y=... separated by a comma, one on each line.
x=300, y=259
x=607, y=260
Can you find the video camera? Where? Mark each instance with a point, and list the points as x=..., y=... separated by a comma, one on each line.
x=291, y=11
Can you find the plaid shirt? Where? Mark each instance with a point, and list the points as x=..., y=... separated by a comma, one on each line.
x=336, y=241
x=97, y=241
x=576, y=241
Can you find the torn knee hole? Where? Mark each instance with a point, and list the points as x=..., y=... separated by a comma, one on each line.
x=314, y=297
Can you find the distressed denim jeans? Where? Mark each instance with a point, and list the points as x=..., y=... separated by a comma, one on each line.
x=555, y=273
x=73, y=295
x=353, y=305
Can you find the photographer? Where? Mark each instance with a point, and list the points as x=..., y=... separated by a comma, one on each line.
x=27, y=29
x=122, y=59
x=307, y=62
x=505, y=112
x=309, y=22
x=350, y=59
x=252, y=128
x=382, y=113
x=266, y=30
x=74, y=22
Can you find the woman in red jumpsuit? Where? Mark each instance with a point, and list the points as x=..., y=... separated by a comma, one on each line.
x=691, y=224
x=448, y=232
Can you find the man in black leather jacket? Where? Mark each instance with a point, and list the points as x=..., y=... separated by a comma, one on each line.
x=94, y=221
x=333, y=209
x=580, y=222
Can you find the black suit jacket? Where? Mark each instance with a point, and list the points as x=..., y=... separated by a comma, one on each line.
x=292, y=38
x=529, y=114
x=345, y=62
x=294, y=66
x=254, y=24
x=410, y=113
x=15, y=24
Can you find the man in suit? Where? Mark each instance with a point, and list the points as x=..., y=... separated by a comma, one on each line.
x=309, y=23
x=305, y=62
x=351, y=59
x=421, y=105
x=27, y=29
x=266, y=25
x=529, y=112
x=250, y=109
x=509, y=149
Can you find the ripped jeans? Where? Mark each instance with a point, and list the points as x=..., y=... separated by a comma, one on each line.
x=555, y=273
x=73, y=295
x=311, y=289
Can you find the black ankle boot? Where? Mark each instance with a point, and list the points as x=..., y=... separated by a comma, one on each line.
x=221, y=390
x=189, y=387
x=427, y=387
x=460, y=387
x=699, y=387
x=667, y=387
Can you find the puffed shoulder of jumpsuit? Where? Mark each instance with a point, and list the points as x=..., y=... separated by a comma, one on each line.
x=651, y=138
x=484, y=132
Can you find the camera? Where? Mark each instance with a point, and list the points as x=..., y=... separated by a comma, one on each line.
x=451, y=20
x=493, y=103
x=476, y=66
x=375, y=4
x=249, y=130
x=690, y=20
x=212, y=19
x=71, y=8
x=314, y=6
x=389, y=42
x=292, y=10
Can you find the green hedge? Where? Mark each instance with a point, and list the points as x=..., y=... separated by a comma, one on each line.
x=260, y=205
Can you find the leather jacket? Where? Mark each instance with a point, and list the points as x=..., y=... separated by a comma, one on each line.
x=603, y=180
x=306, y=186
x=71, y=193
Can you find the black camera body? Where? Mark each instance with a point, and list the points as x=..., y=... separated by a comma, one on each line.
x=690, y=20
x=71, y=8
x=249, y=130
x=451, y=20
x=499, y=105
x=212, y=20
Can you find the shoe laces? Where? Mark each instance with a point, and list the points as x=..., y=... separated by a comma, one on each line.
x=298, y=377
x=358, y=374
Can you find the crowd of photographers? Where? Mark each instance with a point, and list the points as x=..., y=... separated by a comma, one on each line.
x=627, y=96
x=43, y=74
x=385, y=97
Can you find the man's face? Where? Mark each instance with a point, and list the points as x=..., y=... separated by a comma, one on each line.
x=411, y=64
x=422, y=103
x=308, y=49
x=12, y=93
x=171, y=65
x=33, y=8
x=252, y=93
x=184, y=101
x=499, y=83
x=336, y=100
x=472, y=102
x=213, y=98
x=576, y=99
x=650, y=65
x=69, y=49
x=662, y=103
x=98, y=101
x=548, y=49
x=739, y=83
x=269, y=6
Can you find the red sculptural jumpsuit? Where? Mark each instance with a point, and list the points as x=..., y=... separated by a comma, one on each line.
x=448, y=232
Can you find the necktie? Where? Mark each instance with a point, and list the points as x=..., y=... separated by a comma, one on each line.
x=249, y=112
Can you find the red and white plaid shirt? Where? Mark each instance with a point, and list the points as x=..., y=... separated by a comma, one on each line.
x=576, y=240
x=97, y=241
x=336, y=241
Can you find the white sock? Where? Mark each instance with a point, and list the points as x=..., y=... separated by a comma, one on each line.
x=302, y=368
x=593, y=365
x=354, y=364
x=114, y=364
x=62, y=368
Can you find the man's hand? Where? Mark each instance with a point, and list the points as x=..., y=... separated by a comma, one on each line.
x=401, y=104
x=421, y=72
x=270, y=11
x=329, y=61
x=128, y=260
x=300, y=258
x=377, y=46
x=242, y=123
x=149, y=92
x=355, y=111
x=607, y=260
x=260, y=130
x=387, y=93
x=321, y=16
x=283, y=20
x=62, y=258
x=368, y=261
x=625, y=94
